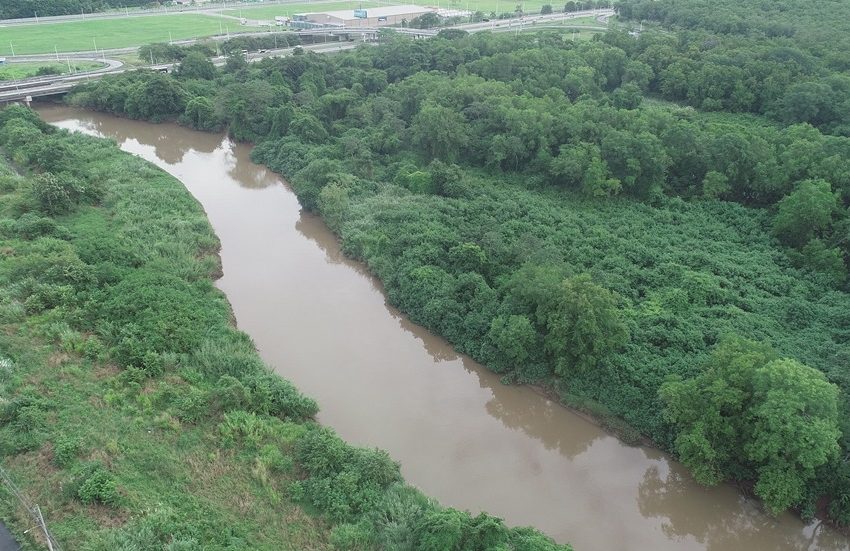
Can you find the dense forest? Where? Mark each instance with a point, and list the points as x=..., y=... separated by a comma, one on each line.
x=681, y=273
x=133, y=411
x=787, y=60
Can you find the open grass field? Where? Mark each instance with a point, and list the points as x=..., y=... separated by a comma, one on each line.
x=269, y=12
x=486, y=6
x=110, y=33
x=16, y=71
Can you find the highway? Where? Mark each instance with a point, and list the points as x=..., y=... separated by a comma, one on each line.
x=53, y=85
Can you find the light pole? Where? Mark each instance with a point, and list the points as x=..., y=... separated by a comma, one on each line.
x=55, y=49
x=12, y=47
x=93, y=39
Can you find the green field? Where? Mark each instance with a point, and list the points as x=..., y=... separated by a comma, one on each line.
x=487, y=6
x=269, y=12
x=110, y=33
x=15, y=71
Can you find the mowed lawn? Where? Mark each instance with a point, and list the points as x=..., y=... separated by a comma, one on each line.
x=270, y=12
x=75, y=36
x=486, y=6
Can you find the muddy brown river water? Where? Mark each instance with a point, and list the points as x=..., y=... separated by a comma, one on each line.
x=323, y=322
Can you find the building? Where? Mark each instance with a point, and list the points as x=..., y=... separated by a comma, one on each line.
x=365, y=17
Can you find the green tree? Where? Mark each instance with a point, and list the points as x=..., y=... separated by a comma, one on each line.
x=627, y=96
x=513, y=338
x=333, y=205
x=749, y=415
x=805, y=212
x=715, y=185
x=708, y=410
x=155, y=98
x=583, y=325
x=440, y=131
x=196, y=65
x=794, y=429
x=200, y=114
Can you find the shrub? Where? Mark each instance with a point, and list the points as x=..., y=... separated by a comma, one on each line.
x=344, y=482
x=230, y=394
x=95, y=484
x=192, y=405
x=245, y=428
x=273, y=395
x=65, y=450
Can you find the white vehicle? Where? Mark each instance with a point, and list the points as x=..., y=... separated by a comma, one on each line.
x=281, y=20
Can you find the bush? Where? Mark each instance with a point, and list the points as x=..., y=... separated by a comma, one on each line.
x=344, y=482
x=95, y=484
x=55, y=195
x=157, y=312
x=273, y=395
x=192, y=405
x=65, y=450
x=244, y=428
x=230, y=394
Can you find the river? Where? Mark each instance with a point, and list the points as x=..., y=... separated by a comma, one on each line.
x=320, y=320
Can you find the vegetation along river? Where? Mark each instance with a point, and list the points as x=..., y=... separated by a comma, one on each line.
x=323, y=322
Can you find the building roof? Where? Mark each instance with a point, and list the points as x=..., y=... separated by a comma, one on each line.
x=384, y=11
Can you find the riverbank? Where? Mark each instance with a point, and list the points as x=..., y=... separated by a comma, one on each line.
x=133, y=411
x=322, y=321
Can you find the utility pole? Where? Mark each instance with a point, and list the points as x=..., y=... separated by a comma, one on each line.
x=56, y=49
x=68, y=59
x=13, y=48
x=36, y=18
x=170, y=40
x=93, y=39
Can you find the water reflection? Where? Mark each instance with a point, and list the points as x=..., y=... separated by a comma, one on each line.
x=322, y=320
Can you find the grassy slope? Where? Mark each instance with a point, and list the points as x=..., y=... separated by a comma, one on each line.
x=110, y=33
x=14, y=71
x=176, y=470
